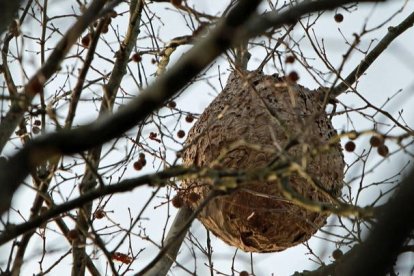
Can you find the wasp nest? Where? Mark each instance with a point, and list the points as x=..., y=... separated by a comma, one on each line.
x=267, y=114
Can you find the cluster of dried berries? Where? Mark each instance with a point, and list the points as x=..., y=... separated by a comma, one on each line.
x=153, y=136
x=138, y=165
x=376, y=141
x=99, y=214
x=136, y=57
x=86, y=40
x=293, y=76
x=121, y=257
x=178, y=201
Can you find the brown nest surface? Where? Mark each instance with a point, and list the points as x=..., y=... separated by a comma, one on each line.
x=267, y=114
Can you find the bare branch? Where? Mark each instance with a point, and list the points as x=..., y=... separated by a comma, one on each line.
x=68, y=142
x=377, y=254
x=35, y=84
x=393, y=33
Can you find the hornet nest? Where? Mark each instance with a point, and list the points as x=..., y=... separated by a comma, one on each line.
x=267, y=113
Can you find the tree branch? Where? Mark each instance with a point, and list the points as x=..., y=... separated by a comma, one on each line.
x=13, y=172
x=393, y=33
x=377, y=254
x=35, y=84
x=13, y=231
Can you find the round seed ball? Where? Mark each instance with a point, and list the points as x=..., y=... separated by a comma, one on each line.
x=177, y=201
x=339, y=17
x=293, y=76
x=189, y=118
x=376, y=141
x=383, y=150
x=172, y=104
x=290, y=59
x=337, y=254
x=180, y=133
x=350, y=146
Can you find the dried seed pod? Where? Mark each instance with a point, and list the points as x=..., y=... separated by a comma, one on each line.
x=138, y=165
x=376, y=141
x=99, y=214
x=339, y=17
x=180, y=133
x=293, y=76
x=73, y=235
x=350, y=146
x=189, y=118
x=383, y=150
x=265, y=112
x=177, y=201
x=86, y=40
x=136, y=57
x=290, y=59
x=337, y=254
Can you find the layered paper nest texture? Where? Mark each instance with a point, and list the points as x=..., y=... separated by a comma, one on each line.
x=264, y=114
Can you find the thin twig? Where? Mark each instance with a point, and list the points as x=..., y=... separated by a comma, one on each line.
x=392, y=34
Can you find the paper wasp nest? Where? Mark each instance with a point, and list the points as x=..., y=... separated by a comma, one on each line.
x=263, y=111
